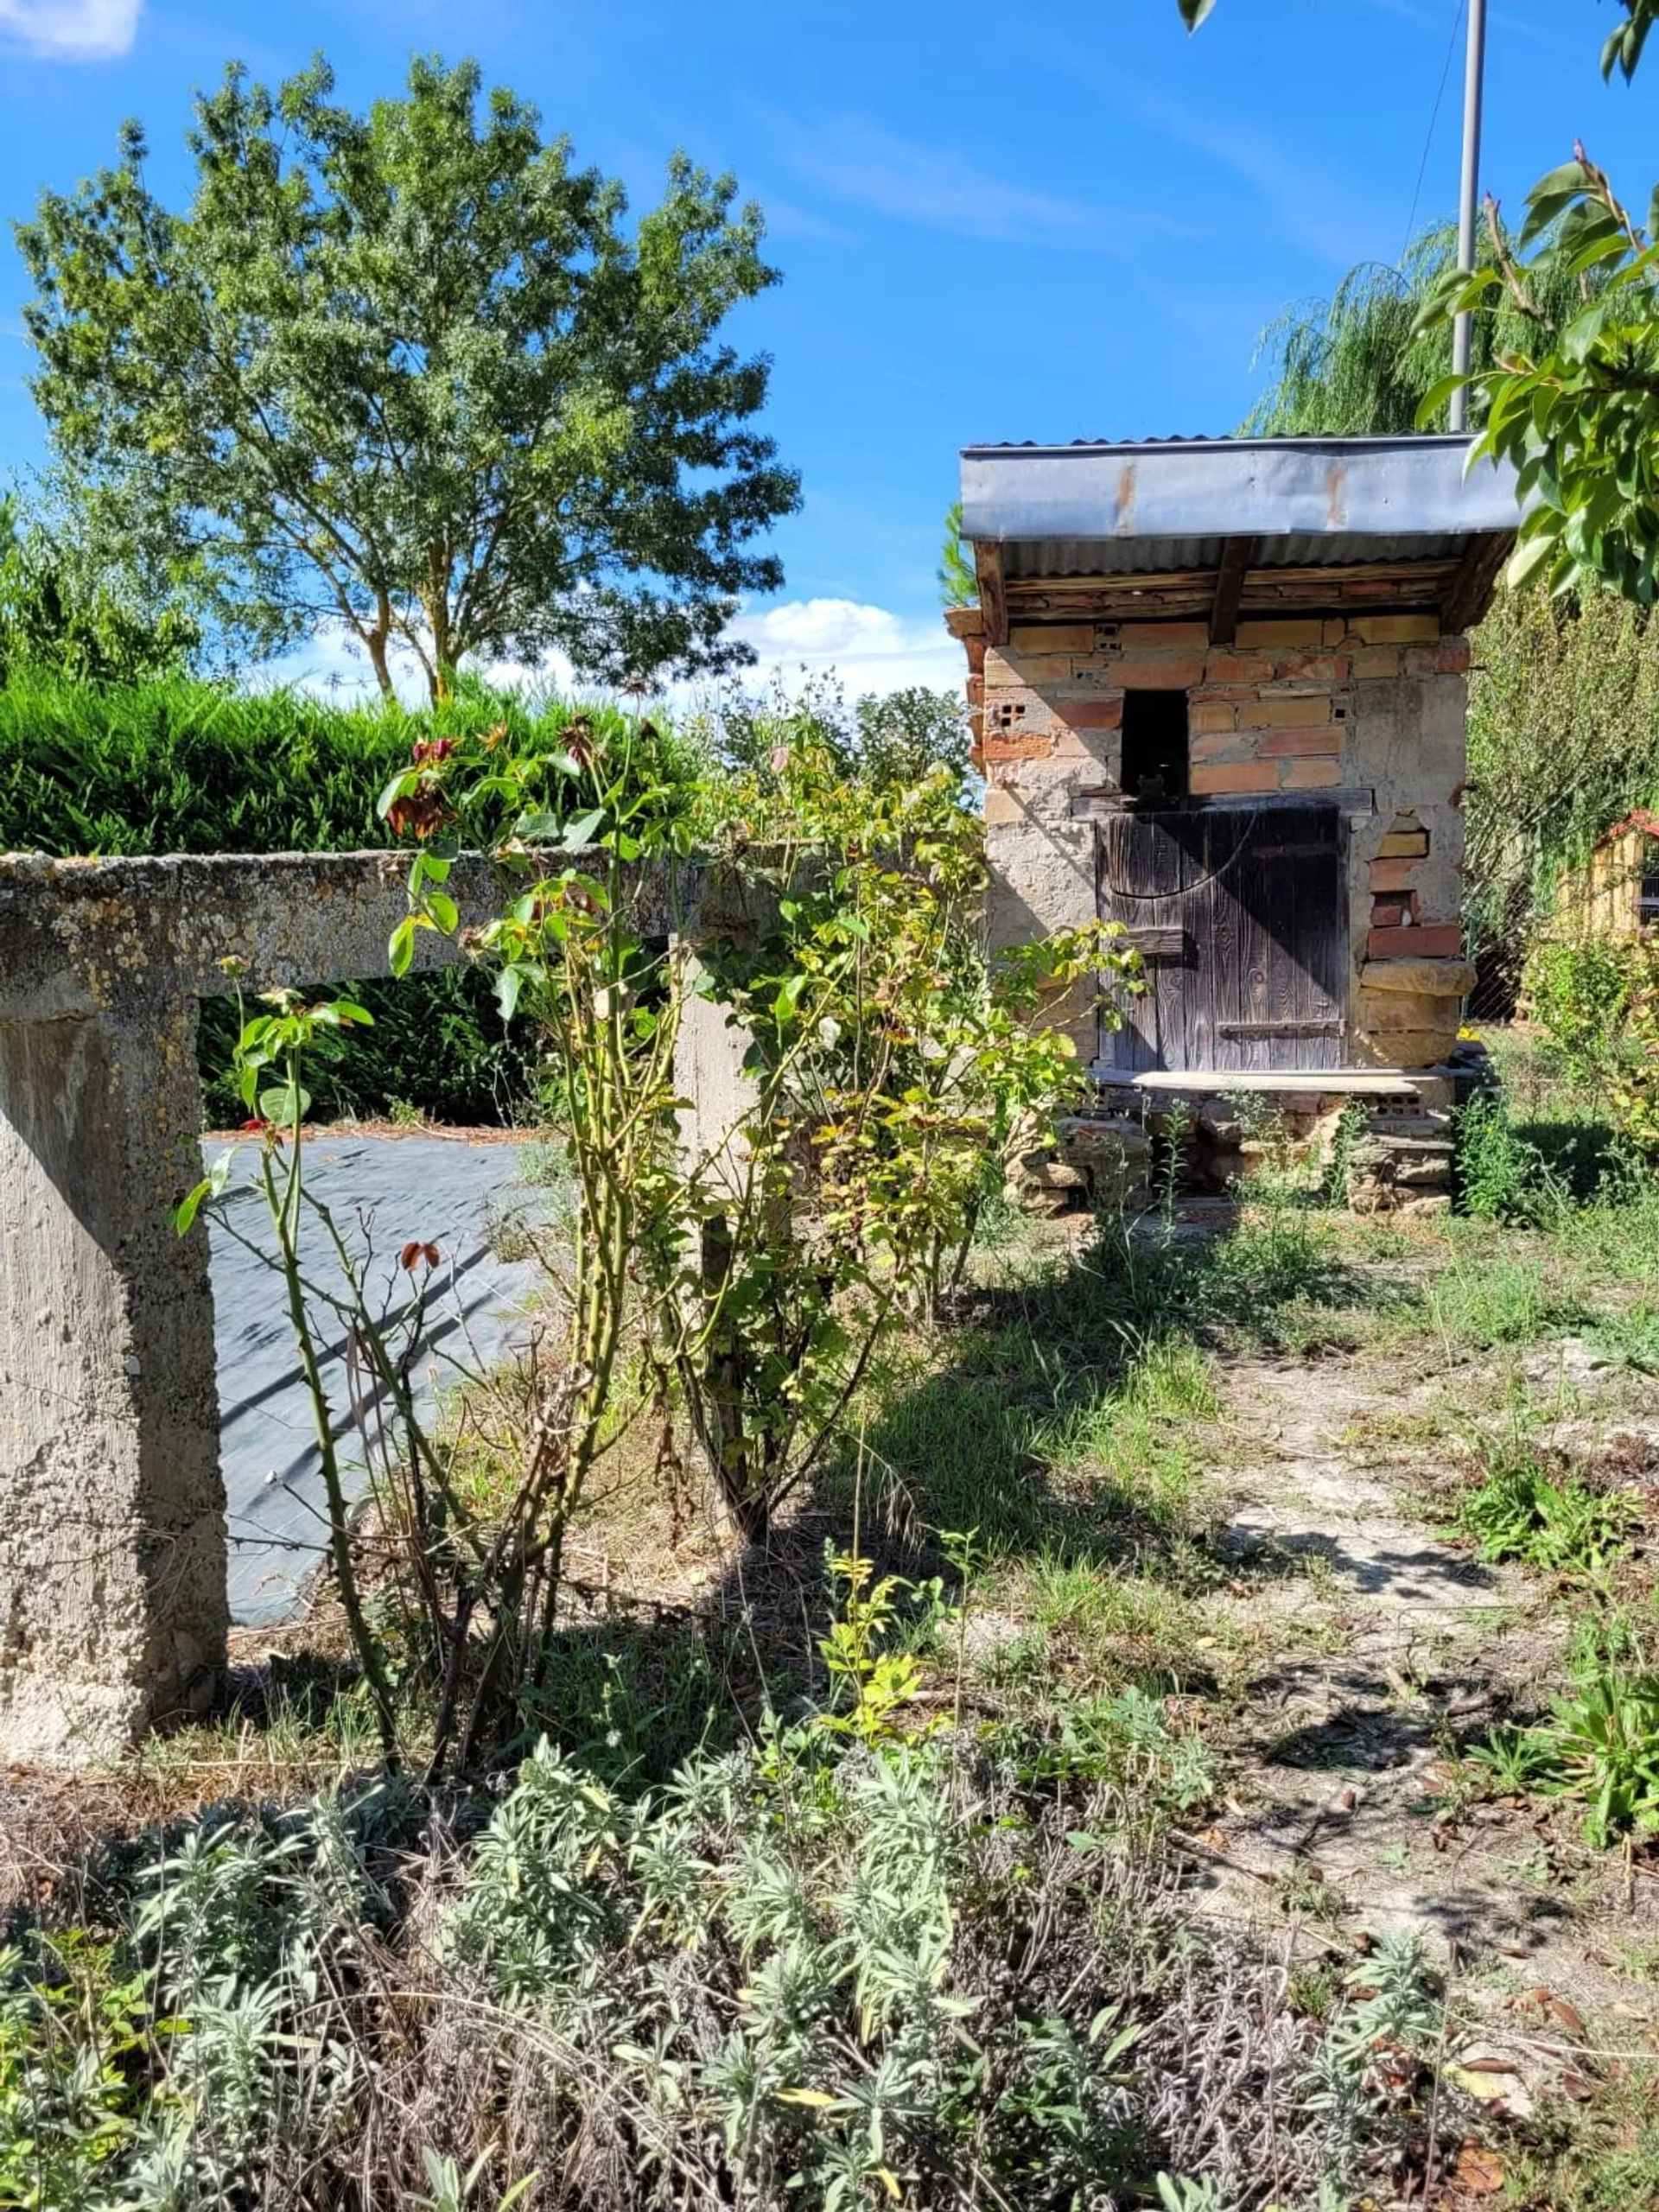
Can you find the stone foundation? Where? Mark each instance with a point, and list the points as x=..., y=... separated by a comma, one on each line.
x=1393, y=1147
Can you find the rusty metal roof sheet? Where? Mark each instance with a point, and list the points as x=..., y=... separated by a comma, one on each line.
x=1152, y=508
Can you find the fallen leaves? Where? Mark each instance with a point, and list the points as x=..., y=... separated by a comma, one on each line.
x=1478, y=2173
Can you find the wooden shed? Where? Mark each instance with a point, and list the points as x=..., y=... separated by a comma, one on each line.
x=1219, y=688
x=1614, y=894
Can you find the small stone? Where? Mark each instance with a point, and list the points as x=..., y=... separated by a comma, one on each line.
x=1058, y=1175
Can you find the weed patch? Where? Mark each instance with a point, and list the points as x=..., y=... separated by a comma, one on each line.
x=1520, y=1511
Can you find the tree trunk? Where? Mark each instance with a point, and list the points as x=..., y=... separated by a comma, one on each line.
x=376, y=642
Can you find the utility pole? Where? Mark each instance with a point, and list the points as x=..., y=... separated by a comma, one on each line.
x=1468, y=209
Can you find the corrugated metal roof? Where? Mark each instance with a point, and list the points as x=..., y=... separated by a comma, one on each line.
x=1152, y=506
x=1138, y=557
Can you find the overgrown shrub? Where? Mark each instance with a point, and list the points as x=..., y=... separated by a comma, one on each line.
x=1600, y=1001
x=1502, y=1175
x=896, y=1065
x=1563, y=741
x=803, y=1974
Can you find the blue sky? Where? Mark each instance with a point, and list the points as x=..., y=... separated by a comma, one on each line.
x=993, y=222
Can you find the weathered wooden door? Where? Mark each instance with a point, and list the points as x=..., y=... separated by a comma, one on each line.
x=1242, y=914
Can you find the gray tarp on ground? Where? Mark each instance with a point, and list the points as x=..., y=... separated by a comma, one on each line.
x=443, y=1191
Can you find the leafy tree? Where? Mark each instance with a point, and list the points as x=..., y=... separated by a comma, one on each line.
x=407, y=371
x=902, y=738
x=887, y=742
x=1572, y=401
x=1575, y=409
x=958, y=585
x=1363, y=362
x=64, y=614
x=1563, y=741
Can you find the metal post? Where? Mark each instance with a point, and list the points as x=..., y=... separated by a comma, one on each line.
x=1474, y=81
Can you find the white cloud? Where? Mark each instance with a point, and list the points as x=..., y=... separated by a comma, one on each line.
x=868, y=648
x=940, y=189
x=1312, y=206
x=865, y=648
x=71, y=30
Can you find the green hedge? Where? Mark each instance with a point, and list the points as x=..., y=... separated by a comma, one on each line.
x=179, y=766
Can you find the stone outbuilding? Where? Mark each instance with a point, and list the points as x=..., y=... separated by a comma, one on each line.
x=1219, y=693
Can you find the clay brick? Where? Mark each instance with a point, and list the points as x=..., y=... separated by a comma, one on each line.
x=1311, y=667
x=1396, y=629
x=1145, y=671
x=1027, y=670
x=1018, y=744
x=1100, y=746
x=1449, y=657
x=1051, y=638
x=1295, y=744
x=1335, y=629
x=1394, y=874
x=975, y=648
x=1292, y=713
x=1209, y=780
x=1290, y=630
x=1310, y=775
x=1208, y=715
x=975, y=688
x=1090, y=714
x=1222, y=745
x=1224, y=667
x=1404, y=844
x=1433, y=941
x=1162, y=636
x=1371, y=662
x=1394, y=909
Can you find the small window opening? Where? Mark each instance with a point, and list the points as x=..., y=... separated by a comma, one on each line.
x=1154, y=745
x=1649, y=907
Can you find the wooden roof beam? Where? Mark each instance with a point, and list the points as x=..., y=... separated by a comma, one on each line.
x=1470, y=593
x=993, y=592
x=1236, y=555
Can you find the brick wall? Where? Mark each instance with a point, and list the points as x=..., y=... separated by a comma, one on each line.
x=1363, y=703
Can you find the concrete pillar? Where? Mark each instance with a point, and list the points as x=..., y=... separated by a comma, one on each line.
x=112, y=1590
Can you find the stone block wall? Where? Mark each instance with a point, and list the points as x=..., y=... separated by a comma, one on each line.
x=1370, y=708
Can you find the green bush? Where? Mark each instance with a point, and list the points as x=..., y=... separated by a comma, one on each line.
x=1520, y=1511
x=182, y=766
x=1600, y=1001
x=1580, y=991
x=1502, y=1175
x=800, y=1975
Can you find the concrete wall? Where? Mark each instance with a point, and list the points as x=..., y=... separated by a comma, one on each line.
x=1368, y=708
x=112, y=1557
x=113, y=1585
x=112, y=1604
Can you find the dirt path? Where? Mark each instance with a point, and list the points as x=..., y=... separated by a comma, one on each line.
x=1380, y=1647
